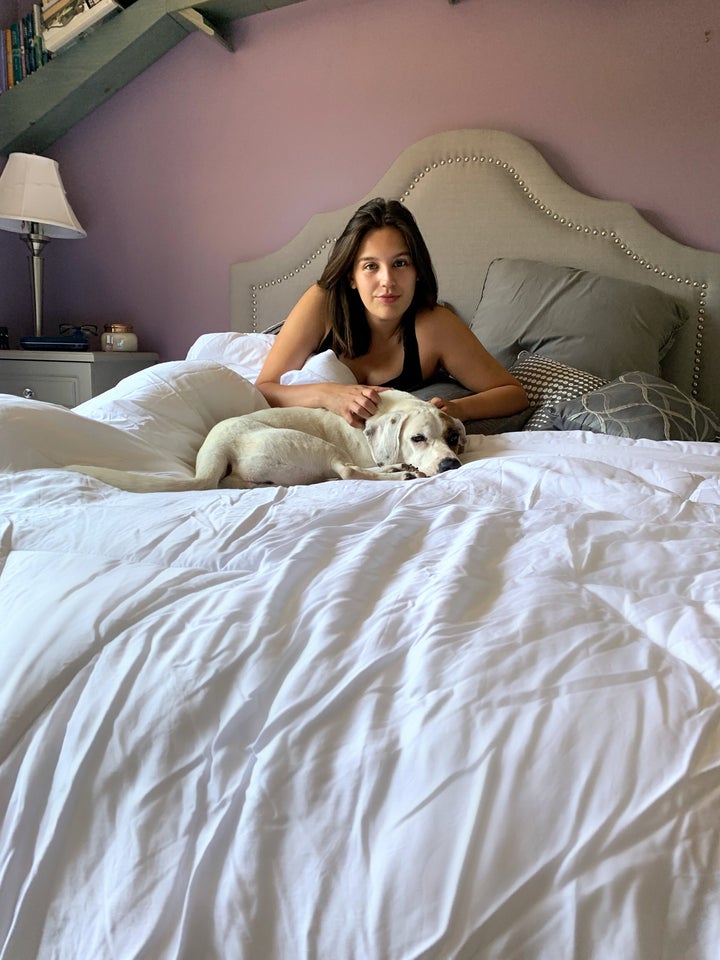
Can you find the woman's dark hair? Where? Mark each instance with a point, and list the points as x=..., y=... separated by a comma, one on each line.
x=350, y=331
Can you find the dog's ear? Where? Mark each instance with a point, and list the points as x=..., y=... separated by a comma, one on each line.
x=383, y=436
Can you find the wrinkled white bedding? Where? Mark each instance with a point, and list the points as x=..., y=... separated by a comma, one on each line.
x=473, y=716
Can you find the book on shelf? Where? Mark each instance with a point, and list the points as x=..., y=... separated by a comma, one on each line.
x=41, y=54
x=16, y=52
x=7, y=42
x=4, y=76
x=28, y=48
x=23, y=50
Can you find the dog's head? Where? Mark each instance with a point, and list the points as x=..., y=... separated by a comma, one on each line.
x=412, y=431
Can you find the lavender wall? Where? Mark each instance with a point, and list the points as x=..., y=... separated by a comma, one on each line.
x=210, y=157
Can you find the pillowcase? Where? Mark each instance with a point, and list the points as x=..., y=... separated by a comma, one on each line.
x=547, y=382
x=599, y=324
x=639, y=406
x=244, y=353
x=321, y=368
x=452, y=390
x=491, y=426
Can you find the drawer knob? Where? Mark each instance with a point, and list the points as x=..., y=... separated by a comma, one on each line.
x=29, y=393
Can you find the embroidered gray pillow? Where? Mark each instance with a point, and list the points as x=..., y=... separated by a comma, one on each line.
x=547, y=382
x=639, y=406
x=596, y=323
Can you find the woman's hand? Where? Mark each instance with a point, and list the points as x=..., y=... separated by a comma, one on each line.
x=354, y=403
x=450, y=407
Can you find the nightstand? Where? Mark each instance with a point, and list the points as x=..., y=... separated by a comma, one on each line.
x=64, y=376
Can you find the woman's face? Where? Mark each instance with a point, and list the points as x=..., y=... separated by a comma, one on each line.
x=384, y=275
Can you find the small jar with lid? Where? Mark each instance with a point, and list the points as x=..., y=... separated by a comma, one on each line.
x=118, y=337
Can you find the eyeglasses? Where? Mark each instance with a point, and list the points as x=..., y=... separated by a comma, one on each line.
x=69, y=328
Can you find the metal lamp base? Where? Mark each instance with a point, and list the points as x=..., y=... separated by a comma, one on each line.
x=35, y=242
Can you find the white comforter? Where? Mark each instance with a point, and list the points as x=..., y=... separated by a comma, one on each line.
x=473, y=716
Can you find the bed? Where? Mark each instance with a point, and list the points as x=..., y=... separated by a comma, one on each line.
x=469, y=716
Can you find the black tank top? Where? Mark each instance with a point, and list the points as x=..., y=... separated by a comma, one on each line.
x=411, y=377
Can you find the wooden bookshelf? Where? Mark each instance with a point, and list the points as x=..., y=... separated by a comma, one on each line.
x=45, y=105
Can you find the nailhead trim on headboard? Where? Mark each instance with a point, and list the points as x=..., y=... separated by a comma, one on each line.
x=271, y=283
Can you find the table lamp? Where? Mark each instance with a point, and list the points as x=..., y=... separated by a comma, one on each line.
x=33, y=203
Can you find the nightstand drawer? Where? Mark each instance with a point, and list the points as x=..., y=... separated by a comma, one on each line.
x=67, y=390
x=66, y=378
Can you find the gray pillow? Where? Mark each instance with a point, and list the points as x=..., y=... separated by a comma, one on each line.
x=547, y=382
x=452, y=390
x=447, y=389
x=639, y=406
x=493, y=425
x=599, y=324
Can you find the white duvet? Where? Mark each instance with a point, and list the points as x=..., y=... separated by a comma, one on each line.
x=473, y=716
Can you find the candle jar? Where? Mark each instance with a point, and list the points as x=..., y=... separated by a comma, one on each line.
x=118, y=337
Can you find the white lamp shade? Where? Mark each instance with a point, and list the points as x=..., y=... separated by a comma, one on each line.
x=31, y=191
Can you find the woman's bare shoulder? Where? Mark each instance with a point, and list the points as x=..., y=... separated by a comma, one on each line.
x=438, y=321
x=315, y=294
x=441, y=311
x=310, y=313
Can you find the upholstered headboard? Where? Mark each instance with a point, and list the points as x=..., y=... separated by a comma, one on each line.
x=482, y=194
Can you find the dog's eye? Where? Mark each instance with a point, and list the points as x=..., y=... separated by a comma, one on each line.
x=453, y=438
x=418, y=438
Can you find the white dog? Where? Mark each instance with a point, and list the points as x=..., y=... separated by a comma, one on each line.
x=405, y=438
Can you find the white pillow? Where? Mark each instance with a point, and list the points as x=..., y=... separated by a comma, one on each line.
x=173, y=405
x=320, y=368
x=246, y=352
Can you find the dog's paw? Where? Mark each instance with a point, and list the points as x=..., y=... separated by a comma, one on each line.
x=409, y=472
x=417, y=474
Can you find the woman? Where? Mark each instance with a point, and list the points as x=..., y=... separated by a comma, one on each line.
x=376, y=307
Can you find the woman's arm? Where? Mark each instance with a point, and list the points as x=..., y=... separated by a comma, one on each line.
x=458, y=351
x=301, y=334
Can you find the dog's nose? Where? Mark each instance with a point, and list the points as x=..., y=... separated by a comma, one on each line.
x=448, y=463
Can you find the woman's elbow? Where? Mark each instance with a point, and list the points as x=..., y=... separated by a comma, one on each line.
x=521, y=398
x=268, y=389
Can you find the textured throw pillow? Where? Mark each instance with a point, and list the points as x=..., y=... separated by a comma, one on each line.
x=547, y=382
x=600, y=324
x=639, y=406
